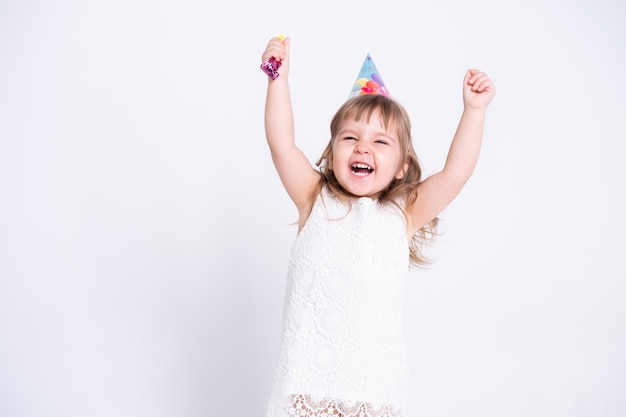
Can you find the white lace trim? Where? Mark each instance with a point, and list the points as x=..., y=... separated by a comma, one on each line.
x=306, y=406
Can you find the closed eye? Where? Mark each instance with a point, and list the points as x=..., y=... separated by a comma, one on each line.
x=382, y=142
x=349, y=138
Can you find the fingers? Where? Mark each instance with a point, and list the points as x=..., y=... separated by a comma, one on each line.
x=477, y=81
x=276, y=48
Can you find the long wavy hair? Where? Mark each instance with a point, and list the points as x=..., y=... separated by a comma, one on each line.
x=400, y=192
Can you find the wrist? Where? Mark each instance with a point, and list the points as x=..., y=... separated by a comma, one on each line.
x=279, y=81
x=474, y=110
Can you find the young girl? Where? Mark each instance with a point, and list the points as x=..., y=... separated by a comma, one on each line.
x=363, y=217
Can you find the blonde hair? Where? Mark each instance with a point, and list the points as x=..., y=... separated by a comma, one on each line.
x=404, y=190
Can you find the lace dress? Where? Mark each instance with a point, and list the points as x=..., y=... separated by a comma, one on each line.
x=342, y=352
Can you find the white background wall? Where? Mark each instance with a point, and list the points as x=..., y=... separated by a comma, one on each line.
x=144, y=234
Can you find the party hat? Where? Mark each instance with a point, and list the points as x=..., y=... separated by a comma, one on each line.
x=369, y=80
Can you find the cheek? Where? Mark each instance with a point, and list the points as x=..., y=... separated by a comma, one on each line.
x=401, y=166
x=337, y=154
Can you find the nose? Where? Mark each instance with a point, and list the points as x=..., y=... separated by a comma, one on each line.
x=361, y=148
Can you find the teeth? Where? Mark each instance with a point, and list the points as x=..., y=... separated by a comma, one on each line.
x=362, y=166
x=361, y=169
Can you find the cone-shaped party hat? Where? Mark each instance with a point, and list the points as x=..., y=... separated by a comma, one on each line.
x=369, y=80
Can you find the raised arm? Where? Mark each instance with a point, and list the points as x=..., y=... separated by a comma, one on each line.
x=438, y=190
x=295, y=171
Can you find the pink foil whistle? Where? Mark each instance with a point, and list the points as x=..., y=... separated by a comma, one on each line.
x=270, y=67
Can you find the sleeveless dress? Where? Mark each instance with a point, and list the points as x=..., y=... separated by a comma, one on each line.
x=342, y=352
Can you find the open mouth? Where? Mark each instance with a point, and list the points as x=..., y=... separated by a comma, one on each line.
x=361, y=169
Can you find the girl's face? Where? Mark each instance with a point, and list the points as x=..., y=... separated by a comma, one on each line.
x=366, y=156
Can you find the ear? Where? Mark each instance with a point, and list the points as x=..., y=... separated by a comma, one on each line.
x=402, y=172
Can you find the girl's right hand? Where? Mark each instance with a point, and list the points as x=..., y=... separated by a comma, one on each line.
x=280, y=51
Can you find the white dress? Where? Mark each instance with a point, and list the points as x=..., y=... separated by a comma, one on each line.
x=342, y=352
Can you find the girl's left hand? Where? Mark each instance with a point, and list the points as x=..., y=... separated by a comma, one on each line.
x=478, y=90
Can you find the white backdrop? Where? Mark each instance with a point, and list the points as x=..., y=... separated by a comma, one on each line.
x=144, y=235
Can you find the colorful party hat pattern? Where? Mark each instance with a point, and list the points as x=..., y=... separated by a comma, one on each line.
x=369, y=80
